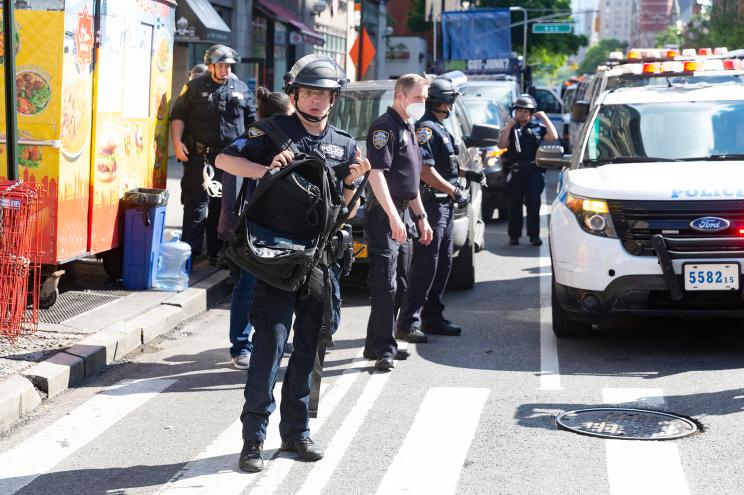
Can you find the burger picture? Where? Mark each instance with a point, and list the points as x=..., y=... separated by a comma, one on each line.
x=106, y=161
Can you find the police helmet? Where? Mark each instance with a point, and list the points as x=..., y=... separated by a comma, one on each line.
x=220, y=54
x=315, y=71
x=526, y=101
x=442, y=90
x=198, y=70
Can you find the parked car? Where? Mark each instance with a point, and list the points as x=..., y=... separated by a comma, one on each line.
x=356, y=108
x=549, y=102
x=504, y=89
x=487, y=117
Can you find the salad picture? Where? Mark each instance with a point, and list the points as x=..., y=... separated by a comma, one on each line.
x=32, y=92
x=29, y=155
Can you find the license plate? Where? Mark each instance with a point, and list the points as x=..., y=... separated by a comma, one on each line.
x=711, y=276
x=360, y=250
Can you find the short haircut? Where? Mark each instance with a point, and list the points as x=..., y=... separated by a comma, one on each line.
x=405, y=83
x=270, y=103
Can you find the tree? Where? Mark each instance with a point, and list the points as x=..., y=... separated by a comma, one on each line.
x=717, y=25
x=597, y=54
x=672, y=35
x=545, y=65
x=417, y=17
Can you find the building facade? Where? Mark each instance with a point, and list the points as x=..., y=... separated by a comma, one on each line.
x=616, y=19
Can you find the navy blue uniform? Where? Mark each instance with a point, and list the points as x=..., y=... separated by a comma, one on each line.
x=214, y=115
x=524, y=181
x=272, y=309
x=430, y=268
x=392, y=148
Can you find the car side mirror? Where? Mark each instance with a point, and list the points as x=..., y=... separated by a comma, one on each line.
x=551, y=156
x=579, y=111
x=483, y=135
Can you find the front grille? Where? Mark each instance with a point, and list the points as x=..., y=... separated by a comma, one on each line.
x=636, y=222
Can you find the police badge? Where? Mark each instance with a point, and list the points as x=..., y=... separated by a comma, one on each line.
x=424, y=134
x=380, y=138
x=254, y=132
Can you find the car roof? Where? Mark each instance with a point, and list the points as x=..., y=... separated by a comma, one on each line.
x=675, y=92
x=379, y=85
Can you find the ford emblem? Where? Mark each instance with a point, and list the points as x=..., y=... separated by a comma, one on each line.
x=710, y=224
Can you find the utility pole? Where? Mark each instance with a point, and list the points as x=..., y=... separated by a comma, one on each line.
x=361, y=40
x=524, y=41
x=10, y=88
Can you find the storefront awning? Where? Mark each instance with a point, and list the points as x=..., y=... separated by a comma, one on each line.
x=282, y=14
x=204, y=23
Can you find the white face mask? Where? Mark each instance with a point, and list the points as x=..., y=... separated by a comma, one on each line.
x=415, y=110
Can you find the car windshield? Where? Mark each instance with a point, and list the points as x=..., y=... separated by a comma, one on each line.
x=483, y=111
x=501, y=91
x=355, y=110
x=690, y=130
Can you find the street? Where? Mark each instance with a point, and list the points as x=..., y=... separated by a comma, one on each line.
x=469, y=415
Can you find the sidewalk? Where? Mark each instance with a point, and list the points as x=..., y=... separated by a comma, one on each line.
x=94, y=323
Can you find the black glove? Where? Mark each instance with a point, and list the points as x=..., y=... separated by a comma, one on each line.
x=461, y=199
x=474, y=176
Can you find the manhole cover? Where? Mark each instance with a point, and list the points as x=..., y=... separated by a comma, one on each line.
x=73, y=303
x=626, y=424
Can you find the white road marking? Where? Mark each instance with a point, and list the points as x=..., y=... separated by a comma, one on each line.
x=550, y=378
x=28, y=460
x=420, y=466
x=638, y=467
x=323, y=470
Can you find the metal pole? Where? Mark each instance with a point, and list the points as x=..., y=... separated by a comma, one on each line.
x=524, y=41
x=10, y=88
x=435, y=38
x=361, y=40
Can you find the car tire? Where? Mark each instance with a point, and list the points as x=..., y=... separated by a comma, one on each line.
x=563, y=326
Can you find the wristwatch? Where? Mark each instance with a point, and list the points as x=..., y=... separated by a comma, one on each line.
x=420, y=217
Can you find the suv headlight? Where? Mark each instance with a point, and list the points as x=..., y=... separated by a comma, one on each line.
x=593, y=215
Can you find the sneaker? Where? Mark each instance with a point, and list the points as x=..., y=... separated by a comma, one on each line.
x=250, y=457
x=414, y=336
x=241, y=362
x=304, y=447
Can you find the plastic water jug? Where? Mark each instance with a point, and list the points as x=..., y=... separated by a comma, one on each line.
x=173, y=265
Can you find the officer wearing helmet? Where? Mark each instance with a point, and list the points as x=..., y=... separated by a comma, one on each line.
x=197, y=71
x=422, y=307
x=524, y=181
x=313, y=90
x=210, y=112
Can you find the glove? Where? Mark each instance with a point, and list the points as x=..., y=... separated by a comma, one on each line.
x=474, y=176
x=461, y=199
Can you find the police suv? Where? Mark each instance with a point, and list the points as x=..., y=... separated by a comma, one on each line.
x=649, y=216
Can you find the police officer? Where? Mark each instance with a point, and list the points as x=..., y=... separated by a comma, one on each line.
x=394, y=153
x=313, y=91
x=197, y=71
x=524, y=181
x=422, y=303
x=210, y=112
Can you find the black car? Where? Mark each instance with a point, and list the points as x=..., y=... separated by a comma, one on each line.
x=357, y=107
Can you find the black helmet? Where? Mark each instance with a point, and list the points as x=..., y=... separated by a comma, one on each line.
x=198, y=70
x=442, y=90
x=220, y=54
x=526, y=101
x=315, y=71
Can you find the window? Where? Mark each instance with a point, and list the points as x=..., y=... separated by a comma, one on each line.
x=335, y=44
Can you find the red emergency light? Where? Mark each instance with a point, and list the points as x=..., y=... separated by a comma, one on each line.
x=705, y=51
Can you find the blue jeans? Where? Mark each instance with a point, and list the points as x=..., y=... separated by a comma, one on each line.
x=240, y=310
x=271, y=316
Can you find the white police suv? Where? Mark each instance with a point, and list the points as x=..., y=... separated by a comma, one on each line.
x=649, y=217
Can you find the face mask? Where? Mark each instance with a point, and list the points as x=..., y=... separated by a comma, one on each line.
x=415, y=110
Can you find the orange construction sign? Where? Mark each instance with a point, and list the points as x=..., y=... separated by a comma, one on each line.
x=368, y=53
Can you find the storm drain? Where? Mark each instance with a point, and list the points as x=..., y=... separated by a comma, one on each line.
x=73, y=303
x=626, y=424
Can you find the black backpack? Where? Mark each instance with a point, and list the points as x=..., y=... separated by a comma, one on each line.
x=283, y=229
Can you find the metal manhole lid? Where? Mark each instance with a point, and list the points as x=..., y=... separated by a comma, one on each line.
x=626, y=424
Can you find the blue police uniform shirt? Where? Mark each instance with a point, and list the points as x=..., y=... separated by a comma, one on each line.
x=335, y=145
x=392, y=147
x=214, y=114
x=530, y=136
x=437, y=145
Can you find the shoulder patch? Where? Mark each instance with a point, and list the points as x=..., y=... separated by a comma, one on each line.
x=380, y=138
x=184, y=90
x=424, y=134
x=254, y=132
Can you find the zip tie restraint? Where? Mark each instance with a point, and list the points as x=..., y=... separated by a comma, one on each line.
x=213, y=187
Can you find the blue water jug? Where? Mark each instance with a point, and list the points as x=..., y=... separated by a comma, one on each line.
x=173, y=264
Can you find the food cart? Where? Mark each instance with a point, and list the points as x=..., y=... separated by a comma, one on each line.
x=92, y=116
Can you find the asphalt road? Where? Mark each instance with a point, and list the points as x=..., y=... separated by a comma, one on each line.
x=468, y=415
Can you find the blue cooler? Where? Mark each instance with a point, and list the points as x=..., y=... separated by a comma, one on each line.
x=144, y=223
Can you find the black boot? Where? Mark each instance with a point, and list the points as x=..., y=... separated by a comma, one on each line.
x=250, y=457
x=304, y=447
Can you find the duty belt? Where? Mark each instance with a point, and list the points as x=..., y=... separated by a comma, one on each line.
x=205, y=149
x=401, y=204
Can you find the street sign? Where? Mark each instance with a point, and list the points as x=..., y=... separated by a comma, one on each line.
x=552, y=28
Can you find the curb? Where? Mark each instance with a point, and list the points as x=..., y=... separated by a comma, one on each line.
x=22, y=393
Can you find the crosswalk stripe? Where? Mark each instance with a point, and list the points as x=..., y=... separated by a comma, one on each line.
x=429, y=463
x=280, y=466
x=323, y=469
x=638, y=467
x=28, y=460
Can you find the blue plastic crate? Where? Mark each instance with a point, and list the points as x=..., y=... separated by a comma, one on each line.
x=142, y=245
